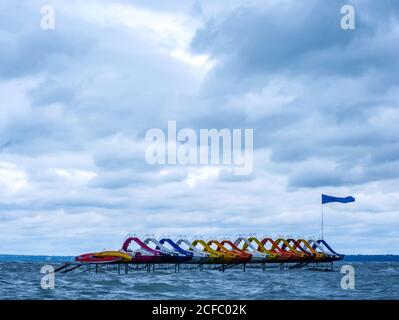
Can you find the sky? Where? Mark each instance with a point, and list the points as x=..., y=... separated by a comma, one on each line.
x=76, y=102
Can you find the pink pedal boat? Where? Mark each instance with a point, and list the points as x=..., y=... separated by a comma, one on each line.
x=142, y=254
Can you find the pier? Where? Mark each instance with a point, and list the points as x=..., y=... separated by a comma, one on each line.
x=126, y=268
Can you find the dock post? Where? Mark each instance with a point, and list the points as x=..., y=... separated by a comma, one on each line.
x=244, y=267
x=126, y=268
x=263, y=266
x=96, y=268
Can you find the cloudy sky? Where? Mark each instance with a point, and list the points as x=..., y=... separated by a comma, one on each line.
x=76, y=102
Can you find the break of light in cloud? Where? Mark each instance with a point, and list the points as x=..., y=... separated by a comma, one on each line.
x=171, y=31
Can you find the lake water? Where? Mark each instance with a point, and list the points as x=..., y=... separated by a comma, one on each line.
x=373, y=280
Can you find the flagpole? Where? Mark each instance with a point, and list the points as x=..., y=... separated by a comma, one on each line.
x=322, y=222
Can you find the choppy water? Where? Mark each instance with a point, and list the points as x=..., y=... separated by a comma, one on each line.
x=373, y=280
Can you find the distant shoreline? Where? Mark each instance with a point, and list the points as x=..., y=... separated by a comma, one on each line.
x=372, y=257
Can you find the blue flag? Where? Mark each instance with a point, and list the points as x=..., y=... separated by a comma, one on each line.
x=328, y=199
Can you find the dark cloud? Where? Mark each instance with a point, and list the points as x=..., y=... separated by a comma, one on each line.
x=341, y=83
x=38, y=51
x=252, y=41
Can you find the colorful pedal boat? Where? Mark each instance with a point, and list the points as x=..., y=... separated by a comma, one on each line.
x=104, y=257
x=168, y=255
x=243, y=250
x=198, y=256
x=144, y=254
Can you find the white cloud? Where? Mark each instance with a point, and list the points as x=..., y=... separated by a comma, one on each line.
x=171, y=32
x=12, y=177
x=200, y=60
x=202, y=174
x=75, y=174
x=269, y=100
